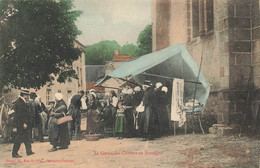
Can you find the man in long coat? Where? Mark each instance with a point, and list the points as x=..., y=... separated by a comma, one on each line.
x=22, y=123
x=150, y=126
x=74, y=109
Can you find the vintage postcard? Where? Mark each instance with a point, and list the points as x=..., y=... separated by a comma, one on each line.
x=130, y=83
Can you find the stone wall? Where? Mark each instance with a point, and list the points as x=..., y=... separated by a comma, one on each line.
x=230, y=53
x=239, y=48
x=256, y=53
x=161, y=15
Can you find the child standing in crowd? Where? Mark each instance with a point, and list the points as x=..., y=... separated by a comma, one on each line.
x=120, y=120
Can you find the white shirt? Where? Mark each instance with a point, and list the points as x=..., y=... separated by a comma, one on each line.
x=114, y=101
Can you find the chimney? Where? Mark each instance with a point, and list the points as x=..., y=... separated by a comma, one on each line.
x=116, y=52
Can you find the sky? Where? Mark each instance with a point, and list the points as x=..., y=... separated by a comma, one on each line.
x=119, y=20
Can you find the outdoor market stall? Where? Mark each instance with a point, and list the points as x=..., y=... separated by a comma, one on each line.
x=166, y=65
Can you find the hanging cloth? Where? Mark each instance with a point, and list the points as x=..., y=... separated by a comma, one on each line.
x=177, y=111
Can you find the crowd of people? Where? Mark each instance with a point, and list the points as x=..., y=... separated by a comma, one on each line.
x=30, y=113
x=142, y=111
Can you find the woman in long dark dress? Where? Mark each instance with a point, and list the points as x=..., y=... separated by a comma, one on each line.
x=93, y=113
x=58, y=134
x=162, y=110
x=129, y=113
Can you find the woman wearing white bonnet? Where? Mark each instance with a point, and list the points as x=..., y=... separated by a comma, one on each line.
x=137, y=89
x=158, y=85
x=94, y=94
x=165, y=89
x=124, y=91
x=164, y=117
x=59, y=134
x=130, y=91
x=58, y=96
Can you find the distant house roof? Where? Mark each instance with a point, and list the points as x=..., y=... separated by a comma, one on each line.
x=94, y=72
x=122, y=57
x=79, y=43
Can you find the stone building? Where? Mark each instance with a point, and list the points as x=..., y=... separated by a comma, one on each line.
x=225, y=35
x=71, y=86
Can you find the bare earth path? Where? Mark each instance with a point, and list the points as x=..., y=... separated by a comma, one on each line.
x=193, y=150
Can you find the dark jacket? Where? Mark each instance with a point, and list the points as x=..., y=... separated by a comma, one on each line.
x=150, y=97
x=60, y=109
x=76, y=101
x=35, y=110
x=43, y=107
x=128, y=100
x=137, y=98
x=22, y=114
x=162, y=98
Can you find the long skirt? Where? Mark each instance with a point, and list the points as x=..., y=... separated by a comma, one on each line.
x=92, y=121
x=129, y=117
x=58, y=134
x=53, y=131
x=120, y=124
x=64, y=137
x=150, y=126
x=163, y=116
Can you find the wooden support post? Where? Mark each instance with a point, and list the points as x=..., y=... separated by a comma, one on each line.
x=185, y=127
x=174, y=127
x=201, y=124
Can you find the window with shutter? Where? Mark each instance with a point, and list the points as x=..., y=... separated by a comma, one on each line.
x=202, y=17
x=48, y=96
x=195, y=17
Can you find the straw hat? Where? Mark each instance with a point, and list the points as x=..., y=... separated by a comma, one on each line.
x=25, y=91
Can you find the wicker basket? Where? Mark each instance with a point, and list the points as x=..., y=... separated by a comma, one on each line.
x=63, y=120
x=92, y=137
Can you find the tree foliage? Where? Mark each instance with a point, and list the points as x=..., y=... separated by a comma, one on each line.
x=36, y=41
x=99, y=53
x=144, y=41
x=129, y=49
x=103, y=51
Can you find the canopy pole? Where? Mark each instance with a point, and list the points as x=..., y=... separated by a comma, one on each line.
x=196, y=91
x=169, y=78
x=110, y=87
x=182, y=69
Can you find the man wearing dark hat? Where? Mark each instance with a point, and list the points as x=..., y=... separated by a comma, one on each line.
x=150, y=115
x=22, y=123
x=74, y=109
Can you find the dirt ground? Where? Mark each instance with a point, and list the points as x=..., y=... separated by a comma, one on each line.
x=181, y=151
x=192, y=150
